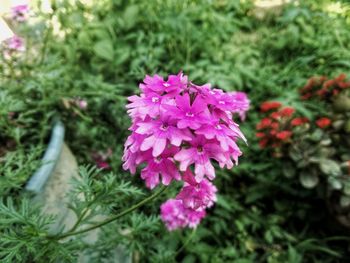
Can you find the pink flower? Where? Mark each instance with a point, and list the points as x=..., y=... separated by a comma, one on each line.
x=101, y=158
x=172, y=86
x=194, y=217
x=103, y=165
x=132, y=155
x=159, y=131
x=175, y=215
x=13, y=47
x=197, y=196
x=145, y=105
x=215, y=129
x=153, y=84
x=15, y=43
x=162, y=166
x=20, y=13
x=225, y=101
x=82, y=104
x=199, y=153
x=188, y=114
x=243, y=103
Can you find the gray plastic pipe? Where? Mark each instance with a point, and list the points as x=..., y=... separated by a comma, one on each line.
x=49, y=160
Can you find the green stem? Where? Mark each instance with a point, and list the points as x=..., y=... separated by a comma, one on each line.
x=113, y=218
x=83, y=214
x=188, y=240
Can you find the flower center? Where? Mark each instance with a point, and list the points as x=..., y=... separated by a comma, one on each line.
x=189, y=114
x=200, y=149
x=221, y=102
x=166, y=84
x=164, y=127
x=155, y=99
x=157, y=160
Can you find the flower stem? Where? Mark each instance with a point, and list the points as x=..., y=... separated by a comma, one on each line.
x=188, y=240
x=112, y=218
x=83, y=214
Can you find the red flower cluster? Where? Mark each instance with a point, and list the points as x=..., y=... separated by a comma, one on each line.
x=324, y=88
x=277, y=127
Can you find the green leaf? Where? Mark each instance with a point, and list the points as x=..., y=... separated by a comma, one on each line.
x=293, y=255
x=104, y=49
x=130, y=16
x=345, y=201
x=308, y=179
x=335, y=183
x=330, y=167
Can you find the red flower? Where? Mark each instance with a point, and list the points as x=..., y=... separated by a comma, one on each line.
x=275, y=125
x=263, y=143
x=344, y=85
x=287, y=112
x=270, y=105
x=260, y=134
x=264, y=123
x=322, y=92
x=306, y=96
x=299, y=121
x=323, y=78
x=284, y=135
x=273, y=132
x=341, y=77
x=323, y=122
x=328, y=83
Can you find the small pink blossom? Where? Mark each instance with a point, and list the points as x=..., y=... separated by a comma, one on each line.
x=162, y=166
x=81, y=103
x=13, y=47
x=20, y=13
x=103, y=165
x=243, y=103
x=189, y=114
x=199, y=153
x=101, y=158
x=15, y=43
x=159, y=132
x=175, y=215
x=197, y=196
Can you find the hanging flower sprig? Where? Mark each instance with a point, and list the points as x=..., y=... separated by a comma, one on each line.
x=178, y=130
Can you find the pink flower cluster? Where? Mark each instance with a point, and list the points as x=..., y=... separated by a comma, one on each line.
x=20, y=12
x=178, y=129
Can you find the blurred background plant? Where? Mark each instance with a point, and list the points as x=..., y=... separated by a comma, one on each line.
x=316, y=151
x=80, y=59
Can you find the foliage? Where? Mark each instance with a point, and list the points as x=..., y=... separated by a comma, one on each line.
x=98, y=52
x=27, y=232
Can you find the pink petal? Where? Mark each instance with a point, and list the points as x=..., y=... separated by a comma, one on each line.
x=148, y=143
x=183, y=155
x=158, y=146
